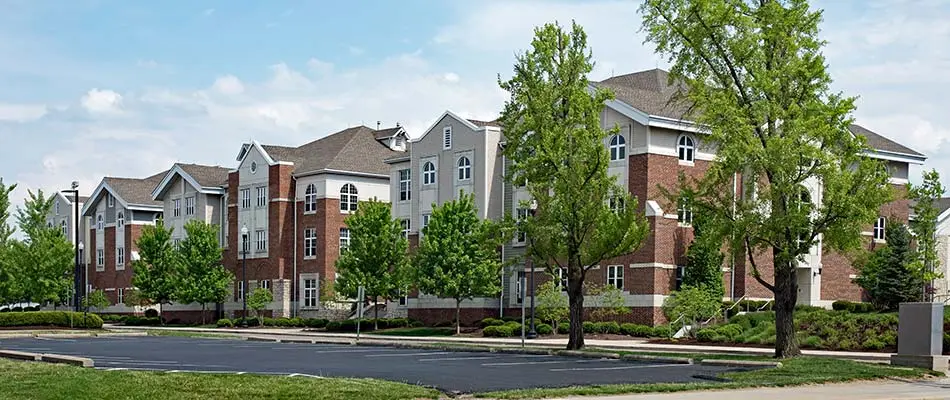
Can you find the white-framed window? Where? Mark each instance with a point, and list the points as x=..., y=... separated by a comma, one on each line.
x=686, y=148
x=65, y=228
x=684, y=213
x=406, y=225
x=120, y=295
x=403, y=297
x=310, y=199
x=120, y=219
x=447, y=137
x=100, y=260
x=176, y=208
x=310, y=242
x=521, y=236
x=465, y=169
x=349, y=198
x=120, y=258
x=428, y=173
x=425, y=222
x=99, y=223
x=615, y=276
x=253, y=167
x=879, y=225
x=240, y=294
x=262, y=196
x=562, y=279
x=310, y=293
x=617, y=204
x=49, y=224
x=189, y=206
x=261, y=240
x=110, y=200
x=246, y=198
x=405, y=181
x=344, y=239
x=618, y=148
x=265, y=284
x=680, y=272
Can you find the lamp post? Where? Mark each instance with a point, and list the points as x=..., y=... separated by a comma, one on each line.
x=85, y=278
x=244, y=233
x=76, y=243
x=531, y=332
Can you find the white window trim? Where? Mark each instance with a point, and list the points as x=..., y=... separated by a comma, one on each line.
x=434, y=174
x=408, y=182
x=463, y=172
x=100, y=260
x=620, y=148
x=176, y=207
x=310, y=292
x=120, y=266
x=261, y=240
x=190, y=206
x=618, y=276
x=690, y=155
x=308, y=239
x=880, y=225
x=310, y=199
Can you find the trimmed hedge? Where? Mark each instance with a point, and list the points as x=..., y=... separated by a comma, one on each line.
x=490, y=322
x=143, y=321
x=498, y=331
x=225, y=323
x=706, y=335
x=366, y=325
x=849, y=306
x=563, y=327
x=64, y=319
x=543, y=329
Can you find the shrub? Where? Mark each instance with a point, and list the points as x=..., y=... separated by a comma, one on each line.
x=315, y=323
x=225, y=323
x=705, y=335
x=636, y=330
x=143, y=321
x=608, y=327
x=515, y=327
x=445, y=324
x=498, y=331
x=399, y=323
x=490, y=322
x=590, y=327
x=247, y=321
x=334, y=326
x=814, y=342
x=564, y=327
x=662, y=331
x=872, y=344
x=730, y=331
x=543, y=329
x=268, y=321
x=64, y=319
x=807, y=308
x=416, y=324
x=151, y=313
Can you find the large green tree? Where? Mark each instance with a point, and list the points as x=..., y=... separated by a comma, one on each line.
x=157, y=272
x=7, y=279
x=377, y=257
x=889, y=275
x=704, y=263
x=756, y=80
x=924, y=225
x=203, y=278
x=44, y=260
x=458, y=257
x=554, y=138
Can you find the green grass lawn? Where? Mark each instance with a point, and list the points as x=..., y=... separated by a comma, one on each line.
x=416, y=332
x=798, y=371
x=28, y=380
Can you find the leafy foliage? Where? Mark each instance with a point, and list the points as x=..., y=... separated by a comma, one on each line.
x=458, y=257
x=41, y=264
x=608, y=302
x=704, y=263
x=203, y=279
x=925, y=228
x=555, y=141
x=754, y=75
x=7, y=278
x=97, y=299
x=693, y=304
x=258, y=301
x=551, y=304
x=156, y=274
x=888, y=276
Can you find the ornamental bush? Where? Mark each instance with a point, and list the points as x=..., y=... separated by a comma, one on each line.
x=636, y=330
x=662, y=331
x=316, y=323
x=498, y=331
x=151, y=313
x=490, y=322
x=225, y=323
x=65, y=319
x=543, y=329
x=706, y=335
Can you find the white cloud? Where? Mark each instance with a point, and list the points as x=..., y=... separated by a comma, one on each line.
x=319, y=67
x=451, y=77
x=102, y=101
x=228, y=84
x=21, y=112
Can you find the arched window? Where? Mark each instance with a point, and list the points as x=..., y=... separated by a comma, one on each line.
x=120, y=220
x=618, y=148
x=348, y=198
x=686, y=148
x=99, y=222
x=64, y=228
x=49, y=224
x=428, y=173
x=879, y=226
x=310, y=199
x=465, y=169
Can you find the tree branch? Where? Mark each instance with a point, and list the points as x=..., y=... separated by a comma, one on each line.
x=755, y=268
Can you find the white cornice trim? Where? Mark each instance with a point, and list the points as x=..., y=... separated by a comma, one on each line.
x=341, y=172
x=448, y=113
x=885, y=155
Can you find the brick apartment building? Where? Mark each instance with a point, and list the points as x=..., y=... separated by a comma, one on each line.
x=287, y=206
x=654, y=145
x=118, y=209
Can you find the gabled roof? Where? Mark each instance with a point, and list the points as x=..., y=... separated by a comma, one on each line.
x=389, y=132
x=204, y=178
x=68, y=197
x=485, y=123
x=130, y=192
x=881, y=143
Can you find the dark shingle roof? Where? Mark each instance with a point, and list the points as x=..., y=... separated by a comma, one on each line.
x=387, y=133
x=134, y=190
x=70, y=197
x=484, y=123
x=878, y=142
x=206, y=175
x=353, y=149
x=942, y=204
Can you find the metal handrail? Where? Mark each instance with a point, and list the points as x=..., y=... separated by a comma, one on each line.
x=736, y=304
x=765, y=305
x=675, y=321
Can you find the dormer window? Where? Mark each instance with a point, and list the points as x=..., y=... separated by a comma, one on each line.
x=447, y=138
x=618, y=148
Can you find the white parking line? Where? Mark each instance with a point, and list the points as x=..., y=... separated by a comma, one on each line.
x=342, y=351
x=116, y=369
x=55, y=340
x=501, y=364
x=306, y=376
x=454, y=359
x=618, y=368
x=407, y=354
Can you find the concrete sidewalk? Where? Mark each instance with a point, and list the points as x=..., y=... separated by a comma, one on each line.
x=617, y=345
x=876, y=390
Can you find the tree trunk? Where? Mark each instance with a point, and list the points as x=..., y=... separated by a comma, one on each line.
x=458, y=319
x=203, y=307
x=375, y=313
x=786, y=295
x=575, y=294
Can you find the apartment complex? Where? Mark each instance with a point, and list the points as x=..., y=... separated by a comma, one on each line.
x=655, y=143
x=63, y=217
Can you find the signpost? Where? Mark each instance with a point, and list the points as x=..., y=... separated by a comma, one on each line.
x=521, y=283
x=359, y=311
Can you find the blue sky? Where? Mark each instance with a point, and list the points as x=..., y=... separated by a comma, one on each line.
x=115, y=88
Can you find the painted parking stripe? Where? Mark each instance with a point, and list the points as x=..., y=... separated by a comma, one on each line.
x=407, y=354
x=618, y=368
x=55, y=339
x=344, y=351
x=504, y=364
x=306, y=376
x=454, y=359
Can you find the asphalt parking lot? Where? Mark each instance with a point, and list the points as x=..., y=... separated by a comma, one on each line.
x=464, y=372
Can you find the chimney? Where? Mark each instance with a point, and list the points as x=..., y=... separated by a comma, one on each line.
x=377, y=125
x=397, y=124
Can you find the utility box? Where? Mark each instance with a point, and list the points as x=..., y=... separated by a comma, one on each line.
x=920, y=337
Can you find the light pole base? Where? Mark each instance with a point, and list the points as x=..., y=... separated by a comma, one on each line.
x=531, y=335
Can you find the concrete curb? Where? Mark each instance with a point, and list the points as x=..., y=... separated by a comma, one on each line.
x=70, y=360
x=121, y=334
x=671, y=360
x=19, y=355
x=587, y=354
x=741, y=363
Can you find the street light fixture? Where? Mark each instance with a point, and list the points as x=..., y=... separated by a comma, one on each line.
x=244, y=233
x=85, y=277
x=77, y=244
x=531, y=332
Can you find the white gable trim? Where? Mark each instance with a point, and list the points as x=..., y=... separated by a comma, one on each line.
x=104, y=187
x=449, y=113
x=177, y=170
x=890, y=156
x=246, y=148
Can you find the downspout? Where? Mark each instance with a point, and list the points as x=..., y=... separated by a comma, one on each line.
x=293, y=280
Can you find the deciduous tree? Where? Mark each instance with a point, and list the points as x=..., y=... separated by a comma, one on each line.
x=156, y=273
x=924, y=225
x=554, y=138
x=755, y=79
x=258, y=301
x=203, y=278
x=96, y=299
x=7, y=278
x=552, y=304
x=44, y=259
